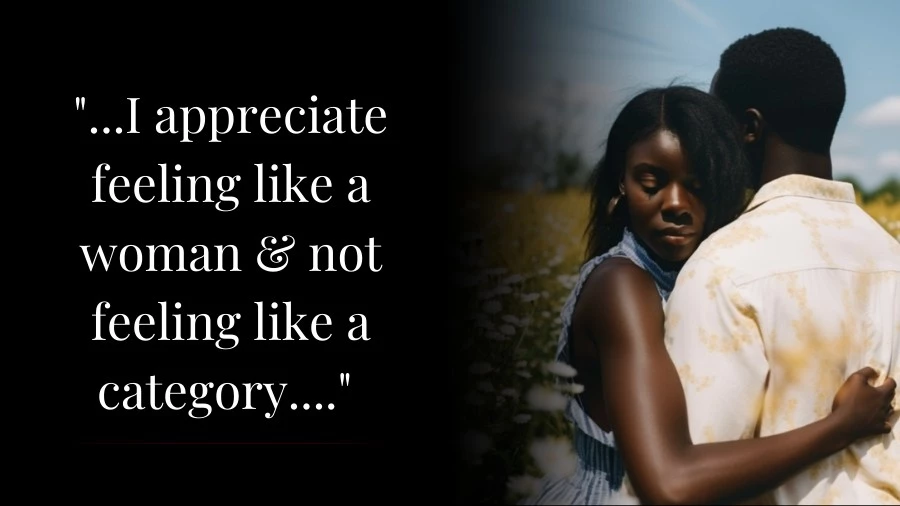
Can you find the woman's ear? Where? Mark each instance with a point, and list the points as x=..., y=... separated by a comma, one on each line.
x=753, y=126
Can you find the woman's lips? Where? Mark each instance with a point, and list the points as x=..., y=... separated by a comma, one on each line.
x=677, y=240
x=676, y=236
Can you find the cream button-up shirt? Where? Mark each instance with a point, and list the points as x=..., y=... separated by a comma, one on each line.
x=773, y=312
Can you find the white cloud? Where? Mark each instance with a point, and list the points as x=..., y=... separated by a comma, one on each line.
x=848, y=164
x=693, y=11
x=883, y=113
x=889, y=160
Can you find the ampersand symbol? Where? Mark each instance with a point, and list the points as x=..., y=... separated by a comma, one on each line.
x=277, y=258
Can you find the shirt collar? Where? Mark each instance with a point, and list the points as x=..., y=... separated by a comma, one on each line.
x=798, y=185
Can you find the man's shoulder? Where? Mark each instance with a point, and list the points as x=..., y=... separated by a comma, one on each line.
x=798, y=234
x=734, y=248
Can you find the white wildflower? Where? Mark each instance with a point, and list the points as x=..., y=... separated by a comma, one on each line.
x=522, y=418
x=566, y=280
x=508, y=318
x=486, y=294
x=544, y=271
x=545, y=314
x=524, y=485
x=530, y=297
x=524, y=374
x=521, y=363
x=561, y=369
x=502, y=290
x=480, y=368
x=524, y=321
x=492, y=307
x=545, y=294
x=511, y=280
x=496, y=336
x=485, y=386
x=573, y=388
x=554, y=457
x=510, y=392
x=508, y=330
x=541, y=398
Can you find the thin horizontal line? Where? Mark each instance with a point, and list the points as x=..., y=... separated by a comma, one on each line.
x=226, y=443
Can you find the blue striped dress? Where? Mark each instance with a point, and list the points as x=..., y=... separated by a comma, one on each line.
x=600, y=470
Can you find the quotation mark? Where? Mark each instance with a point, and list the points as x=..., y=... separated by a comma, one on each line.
x=345, y=381
x=79, y=106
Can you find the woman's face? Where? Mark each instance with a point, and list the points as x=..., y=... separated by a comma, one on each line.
x=661, y=194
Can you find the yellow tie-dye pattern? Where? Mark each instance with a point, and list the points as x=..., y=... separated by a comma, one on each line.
x=830, y=497
x=887, y=467
x=689, y=378
x=730, y=237
x=716, y=279
x=709, y=433
x=725, y=343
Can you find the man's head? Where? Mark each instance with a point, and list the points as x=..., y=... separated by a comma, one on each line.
x=782, y=81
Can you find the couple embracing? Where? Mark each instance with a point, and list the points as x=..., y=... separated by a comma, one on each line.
x=736, y=326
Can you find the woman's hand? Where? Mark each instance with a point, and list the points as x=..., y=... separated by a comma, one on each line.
x=862, y=410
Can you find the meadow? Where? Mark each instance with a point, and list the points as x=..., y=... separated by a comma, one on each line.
x=517, y=262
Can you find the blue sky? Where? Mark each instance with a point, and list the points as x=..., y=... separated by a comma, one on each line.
x=606, y=51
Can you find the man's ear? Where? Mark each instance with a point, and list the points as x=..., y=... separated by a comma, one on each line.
x=754, y=124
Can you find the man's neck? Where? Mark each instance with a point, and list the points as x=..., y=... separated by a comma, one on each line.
x=782, y=160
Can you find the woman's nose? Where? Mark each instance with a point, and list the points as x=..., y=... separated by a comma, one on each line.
x=675, y=205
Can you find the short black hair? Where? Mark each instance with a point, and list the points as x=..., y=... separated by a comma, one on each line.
x=710, y=138
x=792, y=77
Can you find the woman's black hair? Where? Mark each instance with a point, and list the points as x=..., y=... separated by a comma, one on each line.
x=710, y=138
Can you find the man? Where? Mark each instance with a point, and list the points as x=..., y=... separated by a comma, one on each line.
x=774, y=311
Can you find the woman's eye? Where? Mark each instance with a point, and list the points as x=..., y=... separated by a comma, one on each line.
x=649, y=184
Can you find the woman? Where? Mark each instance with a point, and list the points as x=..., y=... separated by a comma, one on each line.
x=673, y=173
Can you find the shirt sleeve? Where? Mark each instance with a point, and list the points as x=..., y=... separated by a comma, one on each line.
x=713, y=337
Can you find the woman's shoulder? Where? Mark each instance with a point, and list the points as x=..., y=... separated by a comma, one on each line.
x=611, y=274
x=615, y=283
